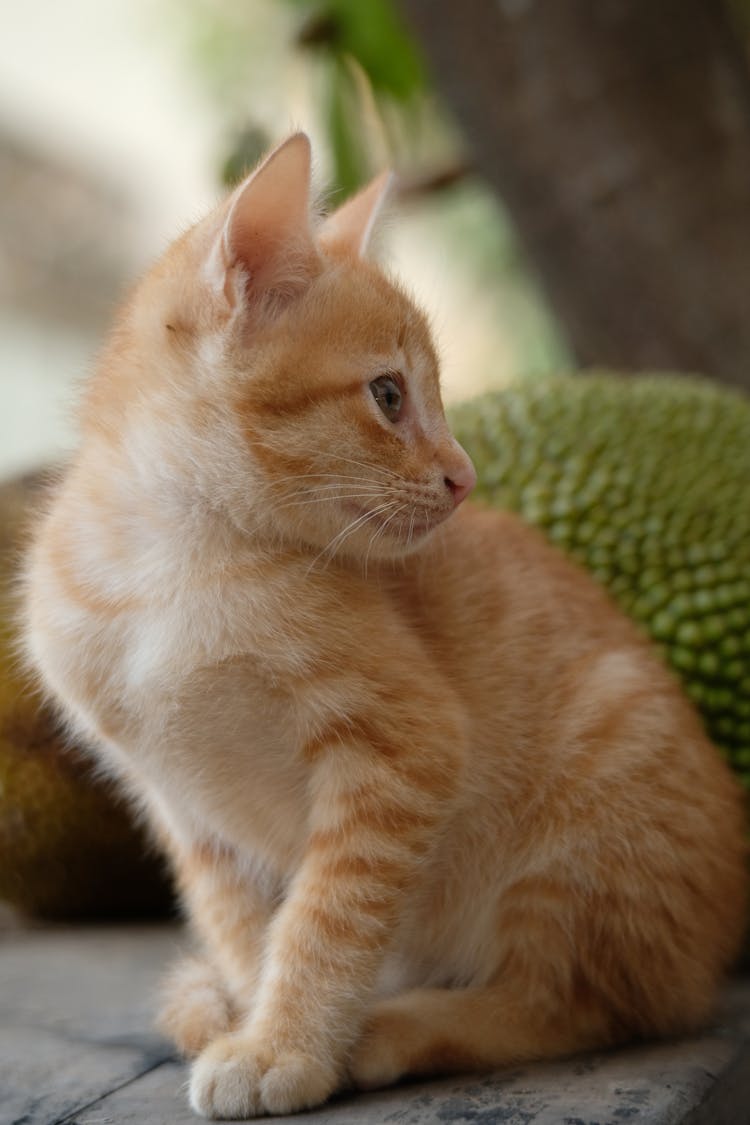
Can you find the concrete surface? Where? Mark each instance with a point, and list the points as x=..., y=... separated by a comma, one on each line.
x=76, y=1048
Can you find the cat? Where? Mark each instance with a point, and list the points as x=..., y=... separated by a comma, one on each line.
x=432, y=802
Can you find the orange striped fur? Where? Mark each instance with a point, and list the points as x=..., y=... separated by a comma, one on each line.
x=431, y=801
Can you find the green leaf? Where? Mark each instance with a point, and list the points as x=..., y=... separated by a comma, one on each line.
x=372, y=32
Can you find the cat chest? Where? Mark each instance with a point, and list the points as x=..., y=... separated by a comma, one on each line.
x=226, y=762
x=223, y=703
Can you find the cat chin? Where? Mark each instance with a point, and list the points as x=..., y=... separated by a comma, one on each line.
x=404, y=543
x=362, y=551
x=394, y=540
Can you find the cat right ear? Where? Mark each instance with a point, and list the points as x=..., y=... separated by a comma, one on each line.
x=264, y=252
x=350, y=228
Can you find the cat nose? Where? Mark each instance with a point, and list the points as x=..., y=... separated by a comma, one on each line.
x=461, y=482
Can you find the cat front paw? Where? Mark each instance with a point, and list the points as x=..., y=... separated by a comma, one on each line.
x=237, y=1077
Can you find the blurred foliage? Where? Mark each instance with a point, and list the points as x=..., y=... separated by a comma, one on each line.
x=373, y=96
x=372, y=61
x=366, y=92
x=376, y=99
x=371, y=32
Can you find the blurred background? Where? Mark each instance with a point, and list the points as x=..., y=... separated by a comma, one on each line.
x=575, y=176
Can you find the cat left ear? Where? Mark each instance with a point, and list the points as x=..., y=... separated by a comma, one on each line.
x=350, y=228
x=265, y=247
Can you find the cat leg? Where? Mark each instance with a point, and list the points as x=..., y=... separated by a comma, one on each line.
x=206, y=996
x=441, y=1030
x=374, y=820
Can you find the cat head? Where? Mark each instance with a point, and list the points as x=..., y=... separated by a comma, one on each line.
x=266, y=364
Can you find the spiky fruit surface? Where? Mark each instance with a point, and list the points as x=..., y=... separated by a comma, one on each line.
x=646, y=481
x=66, y=848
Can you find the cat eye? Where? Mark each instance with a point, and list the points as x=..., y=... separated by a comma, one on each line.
x=388, y=395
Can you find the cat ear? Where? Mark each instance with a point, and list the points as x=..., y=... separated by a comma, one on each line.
x=350, y=228
x=265, y=247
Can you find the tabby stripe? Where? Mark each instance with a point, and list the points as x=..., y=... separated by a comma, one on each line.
x=345, y=731
x=394, y=822
x=283, y=403
x=376, y=868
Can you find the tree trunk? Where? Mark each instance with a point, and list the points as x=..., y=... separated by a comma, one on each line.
x=618, y=134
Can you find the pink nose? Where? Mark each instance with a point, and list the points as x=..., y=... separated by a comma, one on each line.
x=461, y=483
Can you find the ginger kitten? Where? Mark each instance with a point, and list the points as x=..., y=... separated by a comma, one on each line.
x=431, y=801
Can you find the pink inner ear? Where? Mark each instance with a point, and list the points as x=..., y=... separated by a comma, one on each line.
x=267, y=230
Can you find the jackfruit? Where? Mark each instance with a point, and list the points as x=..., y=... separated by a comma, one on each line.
x=646, y=481
x=67, y=849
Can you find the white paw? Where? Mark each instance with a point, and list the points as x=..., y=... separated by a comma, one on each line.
x=237, y=1078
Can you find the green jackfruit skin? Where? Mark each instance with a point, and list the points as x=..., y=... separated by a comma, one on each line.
x=646, y=481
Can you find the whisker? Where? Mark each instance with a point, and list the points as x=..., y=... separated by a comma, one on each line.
x=342, y=535
x=384, y=471
x=301, y=502
x=316, y=475
x=379, y=531
x=346, y=485
x=375, y=488
x=352, y=527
